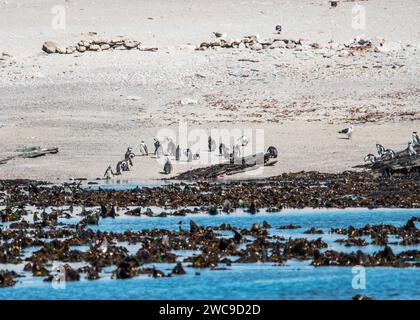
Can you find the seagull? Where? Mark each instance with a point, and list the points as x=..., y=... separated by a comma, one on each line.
x=411, y=150
x=108, y=173
x=347, y=131
x=380, y=148
x=416, y=140
x=167, y=168
x=143, y=149
x=243, y=141
x=370, y=158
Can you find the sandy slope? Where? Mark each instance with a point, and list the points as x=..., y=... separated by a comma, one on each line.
x=93, y=105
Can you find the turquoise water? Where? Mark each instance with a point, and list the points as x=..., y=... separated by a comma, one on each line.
x=295, y=280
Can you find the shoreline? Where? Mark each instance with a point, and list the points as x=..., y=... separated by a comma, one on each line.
x=293, y=190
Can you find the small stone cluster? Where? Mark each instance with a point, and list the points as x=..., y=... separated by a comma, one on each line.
x=95, y=44
x=356, y=45
x=251, y=42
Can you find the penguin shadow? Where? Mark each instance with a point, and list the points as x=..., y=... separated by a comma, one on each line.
x=343, y=138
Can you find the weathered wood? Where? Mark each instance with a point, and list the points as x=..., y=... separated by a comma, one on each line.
x=30, y=154
x=212, y=172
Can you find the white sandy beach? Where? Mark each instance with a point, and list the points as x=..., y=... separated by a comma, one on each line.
x=92, y=106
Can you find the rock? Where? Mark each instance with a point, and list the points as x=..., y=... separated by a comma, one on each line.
x=49, y=47
x=6, y=278
x=70, y=50
x=362, y=297
x=278, y=44
x=105, y=46
x=130, y=44
x=290, y=45
x=187, y=101
x=178, y=269
x=94, y=47
x=241, y=46
x=257, y=46
x=81, y=48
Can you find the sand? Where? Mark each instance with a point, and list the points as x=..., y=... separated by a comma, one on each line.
x=92, y=106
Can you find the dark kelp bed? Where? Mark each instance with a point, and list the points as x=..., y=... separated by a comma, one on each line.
x=289, y=190
x=45, y=226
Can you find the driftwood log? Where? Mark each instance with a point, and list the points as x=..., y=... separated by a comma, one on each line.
x=226, y=169
x=30, y=153
x=403, y=163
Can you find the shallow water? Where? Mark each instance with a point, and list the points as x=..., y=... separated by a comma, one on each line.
x=296, y=280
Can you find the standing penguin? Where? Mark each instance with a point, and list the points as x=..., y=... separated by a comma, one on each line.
x=178, y=153
x=108, y=173
x=411, y=150
x=171, y=147
x=211, y=144
x=189, y=155
x=415, y=139
x=143, y=149
x=157, y=145
x=167, y=168
x=129, y=155
x=222, y=149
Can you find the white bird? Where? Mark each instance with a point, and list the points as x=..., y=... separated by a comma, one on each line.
x=411, y=150
x=370, y=158
x=243, y=141
x=347, y=131
x=143, y=149
x=416, y=140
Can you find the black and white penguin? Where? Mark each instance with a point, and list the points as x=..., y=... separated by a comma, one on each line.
x=272, y=151
x=167, y=168
x=278, y=28
x=171, y=147
x=380, y=149
x=196, y=156
x=122, y=165
x=411, y=150
x=129, y=155
x=108, y=173
x=211, y=144
x=388, y=154
x=157, y=146
x=189, y=155
x=415, y=139
x=370, y=158
x=347, y=131
x=178, y=153
x=143, y=149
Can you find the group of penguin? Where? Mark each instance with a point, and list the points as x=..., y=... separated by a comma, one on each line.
x=172, y=150
x=387, y=154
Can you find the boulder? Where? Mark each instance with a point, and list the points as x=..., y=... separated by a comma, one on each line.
x=49, y=47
